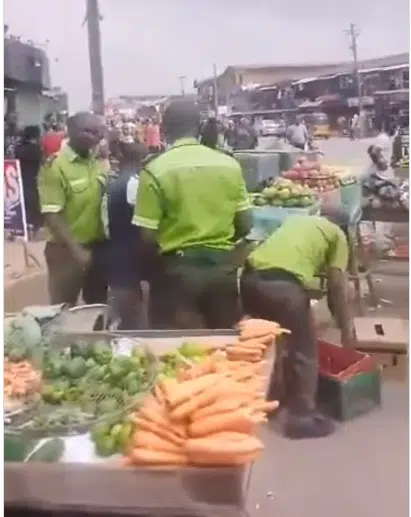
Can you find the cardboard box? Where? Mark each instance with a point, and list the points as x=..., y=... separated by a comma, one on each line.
x=394, y=366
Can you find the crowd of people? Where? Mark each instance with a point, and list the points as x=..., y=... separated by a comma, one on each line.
x=177, y=219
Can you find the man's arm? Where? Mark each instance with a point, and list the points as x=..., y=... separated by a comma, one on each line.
x=148, y=213
x=52, y=201
x=243, y=215
x=337, y=295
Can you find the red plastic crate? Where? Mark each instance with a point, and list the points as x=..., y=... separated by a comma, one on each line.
x=342, y=363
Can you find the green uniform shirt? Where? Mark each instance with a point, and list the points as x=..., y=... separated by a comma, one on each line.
x=190, y=195
x=73, y=186
x=304, y=246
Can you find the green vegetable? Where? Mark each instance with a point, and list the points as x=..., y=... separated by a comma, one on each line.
x=75, y=368
x=17, y=353
x=49, y=452
x=52, y=394
x=102, y=353
x=124, y=436
x=53, y=369
x=100, y=430
x=23, y=331
x=107, y=406
x=105, y=446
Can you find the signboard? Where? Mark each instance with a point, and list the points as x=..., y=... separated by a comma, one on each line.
x=15, y=222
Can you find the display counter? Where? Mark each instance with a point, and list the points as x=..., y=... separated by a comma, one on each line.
x=81, y=481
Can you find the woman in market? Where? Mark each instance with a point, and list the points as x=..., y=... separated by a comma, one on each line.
x=275, y=286
x=70, y=186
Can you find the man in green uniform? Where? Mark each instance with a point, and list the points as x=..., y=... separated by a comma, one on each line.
x=275, y=286
x=70, y=187
x=192, y=206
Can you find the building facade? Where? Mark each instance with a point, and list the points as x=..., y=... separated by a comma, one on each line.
x=26, y=76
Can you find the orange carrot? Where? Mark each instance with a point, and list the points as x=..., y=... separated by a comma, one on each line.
x=185, y=390
x=147, y=457
x=150, y=440
x=238, y=421
x=167, y=433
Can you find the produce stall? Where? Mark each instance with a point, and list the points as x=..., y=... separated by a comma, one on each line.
x=89, y=410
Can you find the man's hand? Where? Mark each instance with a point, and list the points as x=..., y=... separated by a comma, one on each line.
x=348, y=338
x=82, y=256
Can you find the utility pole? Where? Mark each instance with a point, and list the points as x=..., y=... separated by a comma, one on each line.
x=353, y=34
x=215, y=89
x=182, y=79
x=93, y=19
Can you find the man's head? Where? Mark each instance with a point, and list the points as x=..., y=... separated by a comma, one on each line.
x=181, y=119
x=85, y=131
x=336, y=215
x=131, y=154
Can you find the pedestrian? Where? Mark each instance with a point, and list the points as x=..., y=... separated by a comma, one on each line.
x=297, y=134
x=124, y=267
x=274, y=286
x=28, y=152
x=52, y=140
x=192, y=207
x=12, y=135
x=70, y=185
x=209, y=134
x=354, y=122
x=153, y=138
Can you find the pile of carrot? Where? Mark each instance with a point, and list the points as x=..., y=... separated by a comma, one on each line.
x=20, y=379
x=255, y=338
x=210, y=414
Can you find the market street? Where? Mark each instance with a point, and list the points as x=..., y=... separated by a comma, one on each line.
x=338, y=151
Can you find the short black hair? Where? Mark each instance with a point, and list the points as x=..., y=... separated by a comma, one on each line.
x=131, y=153
x=181, y=118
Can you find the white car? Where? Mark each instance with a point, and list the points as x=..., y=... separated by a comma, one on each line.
x=272, y=128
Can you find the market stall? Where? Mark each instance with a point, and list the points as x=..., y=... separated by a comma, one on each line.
x=89, y=410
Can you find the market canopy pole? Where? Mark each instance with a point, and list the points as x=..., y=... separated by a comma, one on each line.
x=353, y=34
x=93, y=19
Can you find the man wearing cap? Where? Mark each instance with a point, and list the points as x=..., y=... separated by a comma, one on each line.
x=192, y=206
x=275, y=285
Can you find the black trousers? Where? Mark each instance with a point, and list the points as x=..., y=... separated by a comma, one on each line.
x=278, y=296
x=187, y=293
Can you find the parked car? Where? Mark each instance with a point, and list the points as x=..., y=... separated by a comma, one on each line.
x=272, y=128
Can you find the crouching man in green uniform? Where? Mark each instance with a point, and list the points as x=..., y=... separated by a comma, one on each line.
x=192, y=206
x=275, y=286
x=70, y=187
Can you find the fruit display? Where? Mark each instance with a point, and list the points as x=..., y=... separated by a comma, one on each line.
x=209, y=415
x=320, y=178
x=381, y=192
x=284, y=193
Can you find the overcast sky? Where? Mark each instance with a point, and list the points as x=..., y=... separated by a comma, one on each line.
x=146, y=45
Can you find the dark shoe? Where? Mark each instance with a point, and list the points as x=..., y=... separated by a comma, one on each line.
x=311, y=426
